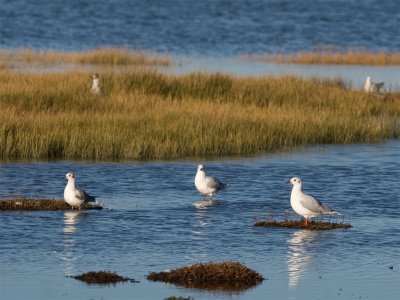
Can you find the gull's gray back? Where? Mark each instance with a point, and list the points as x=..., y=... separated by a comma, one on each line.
x=312, y=204
x=214, y=183
x=81, y=194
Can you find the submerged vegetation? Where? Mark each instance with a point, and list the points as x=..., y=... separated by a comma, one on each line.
x=40, y=204
x=147, y=115
x=227, y=276
x=327, y=56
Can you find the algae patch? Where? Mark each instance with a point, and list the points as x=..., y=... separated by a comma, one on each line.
x=225, y=276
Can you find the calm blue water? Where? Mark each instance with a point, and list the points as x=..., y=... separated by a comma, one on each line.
x=151, y=225
x=201, y=28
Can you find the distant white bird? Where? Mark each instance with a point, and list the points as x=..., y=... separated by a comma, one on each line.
x=207, y=185
x=370, y=86
x=74, y=196
x=305, y=205
x=95, y=84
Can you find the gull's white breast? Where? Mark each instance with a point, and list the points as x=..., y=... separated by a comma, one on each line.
x=70, y=196
x=201, y=185
x=295, y=201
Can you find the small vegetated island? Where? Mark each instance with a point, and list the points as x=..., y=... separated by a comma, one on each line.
x=225, y=276
x=41, y=204
x=299, y=224
x=102, y=277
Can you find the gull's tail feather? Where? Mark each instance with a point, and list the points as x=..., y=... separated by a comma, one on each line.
x=334, y=213
x=92, y=199
x=225, y=185
x=378, y=86
x=330, y=212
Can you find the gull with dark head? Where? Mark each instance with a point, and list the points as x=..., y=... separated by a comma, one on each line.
x=95, y=84
x=370, y=86
x=207, y=185
x=75, y=196
x=306, y=205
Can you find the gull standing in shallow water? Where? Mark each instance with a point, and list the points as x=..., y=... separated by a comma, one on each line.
x=95, y=84
x=305, y=205
x=74, y=196
x=207, y=185
x=370, y=86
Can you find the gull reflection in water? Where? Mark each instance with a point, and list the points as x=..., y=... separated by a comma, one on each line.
x=68, y=256
x=299, y=255
x=200, y=227
x=200, y=224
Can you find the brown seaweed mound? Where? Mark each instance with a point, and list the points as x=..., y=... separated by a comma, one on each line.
x=40, y=204
x=178, y=298
x=101, y=277
x=312, y=225
x=226, y=276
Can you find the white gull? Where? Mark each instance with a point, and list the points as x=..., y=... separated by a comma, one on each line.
x=75, y=196
x=207, y=185
x=306, y=205
x=370, y=86
x=95, y=84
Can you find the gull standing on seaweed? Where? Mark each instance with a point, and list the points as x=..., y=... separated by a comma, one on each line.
x=95, y=84
x=75, y=196
x=370, y=86
x=305, y=205
x=207, y=185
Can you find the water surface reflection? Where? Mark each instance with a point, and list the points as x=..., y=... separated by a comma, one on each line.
x=69, y=253
x=299, y=255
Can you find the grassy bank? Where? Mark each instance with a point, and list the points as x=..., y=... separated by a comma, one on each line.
x=350, y=57
x=152, y=116
x=102, y=56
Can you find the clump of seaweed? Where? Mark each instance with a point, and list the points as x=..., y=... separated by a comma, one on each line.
x=225, y=276
x=178, y=298
x=299, y=224
x=31, y=204
x=101, y=277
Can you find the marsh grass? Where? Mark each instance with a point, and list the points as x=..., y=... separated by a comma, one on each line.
x=330, y=57
x=147, y=115
x=102, y=56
